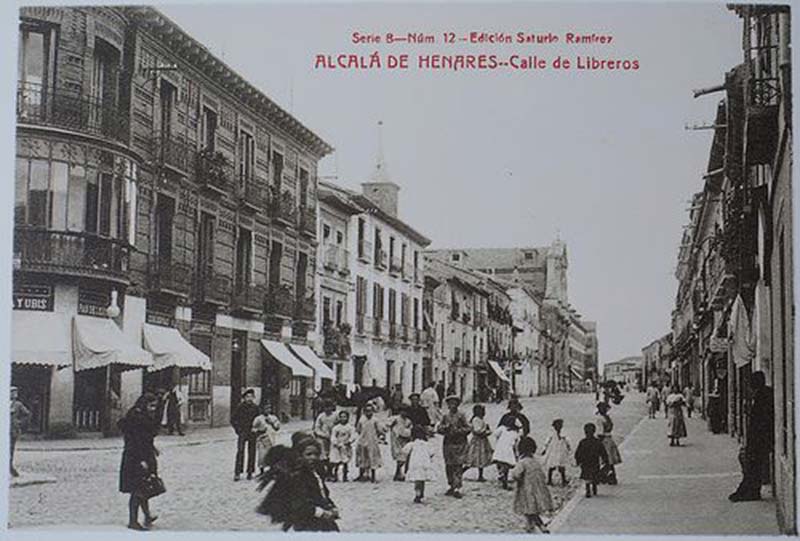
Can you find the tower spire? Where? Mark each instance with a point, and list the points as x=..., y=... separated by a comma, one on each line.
x=381, y=173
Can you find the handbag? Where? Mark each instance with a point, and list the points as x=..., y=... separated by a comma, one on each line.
x=151, y=486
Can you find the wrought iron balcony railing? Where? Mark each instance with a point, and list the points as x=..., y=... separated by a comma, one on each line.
x=308, y=221
x=305, y=309
x=336, y=259
x=69, y=252
x=249, y=298
x=284, y=209
x=380, y=258
x=174, y=153
x=360, y=324
x=280, y=301
x=364, y=251
x=213, y=171
x=212, y=287
x=394, y=266
x=70, y=110
x=170, y=277
x=251, y=194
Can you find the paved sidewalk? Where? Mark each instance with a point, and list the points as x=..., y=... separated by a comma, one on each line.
x=672, y=490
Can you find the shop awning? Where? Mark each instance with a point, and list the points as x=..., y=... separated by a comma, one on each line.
x=99, y=342
x=499, y=371
x=311, y=359
x=170, y=349
x=282, y=354
x=576, y=373
x=30, y=345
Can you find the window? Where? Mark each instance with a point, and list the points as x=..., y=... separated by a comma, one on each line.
x=378, y=246
x=247, y=146
x=339, y=237
x=105, y=64
x=339, y=313
x=326, y=232
x=205, y=244
x=303, y=188
x=326, y=311
x=37, y=193
x=361, y=236
x=416, y=314
x=361, y=295
x=167, y=99
x=403, y=258
x=277, y=171
x=35, y=67
x=528, y=255
x=244, y=259
x=300, y=278
x=456, y=257
x=208, y=130
x=275, y=257
x=391, y=250
x=165, y=215
x=392, y=305
x=403, y=309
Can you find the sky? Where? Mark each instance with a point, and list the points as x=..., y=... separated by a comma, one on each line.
x=501, y=158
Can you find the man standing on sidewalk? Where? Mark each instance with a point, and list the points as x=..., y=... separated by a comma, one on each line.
x=20, y=415
x=242, y=422
x=759, y=440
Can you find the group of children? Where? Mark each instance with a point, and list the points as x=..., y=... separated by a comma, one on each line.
x=508, y=447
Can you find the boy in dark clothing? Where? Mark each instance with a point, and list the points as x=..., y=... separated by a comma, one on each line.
x=591, y=456
x=242, y=422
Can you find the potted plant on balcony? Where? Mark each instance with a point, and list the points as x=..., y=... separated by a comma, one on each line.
x=212, y=166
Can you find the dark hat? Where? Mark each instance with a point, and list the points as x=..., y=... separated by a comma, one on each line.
x=453, y=398
x=248, y=392
x=412, y=395
x=514, y=402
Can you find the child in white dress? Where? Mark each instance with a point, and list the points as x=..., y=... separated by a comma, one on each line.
x=505, y=457
x=343, y=435
x=557, y=453
x=419, y=457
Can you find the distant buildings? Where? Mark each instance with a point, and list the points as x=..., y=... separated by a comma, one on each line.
x=626, y=371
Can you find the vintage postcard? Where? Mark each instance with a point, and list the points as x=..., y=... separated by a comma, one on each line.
x=493, y=268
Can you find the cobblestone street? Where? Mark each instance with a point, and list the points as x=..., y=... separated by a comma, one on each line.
x=202, y=495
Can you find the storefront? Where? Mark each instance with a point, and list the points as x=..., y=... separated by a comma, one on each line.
x=285, y=381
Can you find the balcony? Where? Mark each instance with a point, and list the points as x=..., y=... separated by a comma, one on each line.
x=480, y=320
x=721, y=281
x=457, y=355
x=392, y=331
x=173, y=153
x=336, y=259
x=251, y=195
x=213, y=171
x=377, y=330
x=405, y=333
x=280, y=301
x=170, y=277
x=249, y=298
x=364, y=251
x=70, y=110
x=308, y=221
x=336, y=341
x=380, y=259
x=212, y=287
x=70, y=253
x=305, y=309
x=284, y=210
x=394, y=267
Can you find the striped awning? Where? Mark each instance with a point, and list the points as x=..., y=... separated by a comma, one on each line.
x=282, y=354
x=171, y=349
x=99, y=342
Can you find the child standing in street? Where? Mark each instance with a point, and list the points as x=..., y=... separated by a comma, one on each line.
x=419, y=457
x=399, y=435
x=479, y=452
x=368, y=452
x=557, y=453
x=590, y=456
x=532, y=497
x=265, y=427
x=342, y=437
x=506, y=437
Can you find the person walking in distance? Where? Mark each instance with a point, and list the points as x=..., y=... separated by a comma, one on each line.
x=758, y=440
x=652, y=400
x=455, y=429
x=677, y=425
x=429, y=399
x=242, y=422
x=688, y=397
x=20, y=416
x=173, y=403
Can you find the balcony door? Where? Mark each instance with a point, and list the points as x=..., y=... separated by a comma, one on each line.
x=205, y=246
x=165, y=217
x=103, y=98
x=35, y=69
x=244, y=260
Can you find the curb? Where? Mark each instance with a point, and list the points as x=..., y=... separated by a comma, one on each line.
x=117, y=447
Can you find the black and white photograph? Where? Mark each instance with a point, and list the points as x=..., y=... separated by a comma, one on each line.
x=399, y=267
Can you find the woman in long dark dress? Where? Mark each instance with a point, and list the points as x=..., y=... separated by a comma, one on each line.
x=297, y=497
x=139, y=428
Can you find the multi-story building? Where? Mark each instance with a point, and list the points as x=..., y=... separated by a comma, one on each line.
x=577, y=352
x=459, y=352
x=590, y=365
x=385, y=304
x=525, y=311
x=156, y=186
x=624, y=371
x=656, y=361
x=543, y=269
x=335, y=282
x=499, y=336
